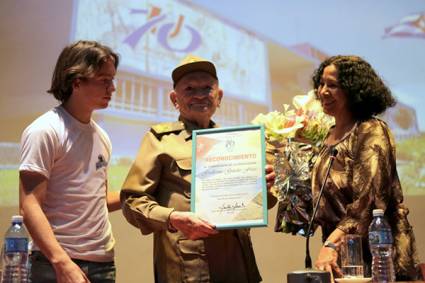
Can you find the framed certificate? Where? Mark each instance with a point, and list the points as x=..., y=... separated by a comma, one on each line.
x=228, y=176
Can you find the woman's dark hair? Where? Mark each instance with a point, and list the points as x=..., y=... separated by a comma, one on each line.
x=79, y=60
x=367, y=93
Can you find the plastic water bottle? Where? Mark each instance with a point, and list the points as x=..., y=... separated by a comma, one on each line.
x=381, y=247
x=15, y=253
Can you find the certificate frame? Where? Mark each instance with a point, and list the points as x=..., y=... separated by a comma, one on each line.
x=228, y=176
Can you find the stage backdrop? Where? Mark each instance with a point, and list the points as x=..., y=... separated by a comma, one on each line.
x=265, y=54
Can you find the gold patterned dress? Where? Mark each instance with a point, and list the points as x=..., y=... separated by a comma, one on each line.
x=364, y=177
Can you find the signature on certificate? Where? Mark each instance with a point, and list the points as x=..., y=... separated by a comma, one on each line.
x=230, y=207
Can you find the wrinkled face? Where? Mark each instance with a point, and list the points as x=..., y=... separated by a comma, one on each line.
x=96, y=92
x=197, y=96
x=331, y=96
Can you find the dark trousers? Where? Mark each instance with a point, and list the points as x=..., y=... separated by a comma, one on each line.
x=97, y=272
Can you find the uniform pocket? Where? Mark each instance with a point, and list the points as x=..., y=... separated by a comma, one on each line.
x=193, y=260
x=185, y=171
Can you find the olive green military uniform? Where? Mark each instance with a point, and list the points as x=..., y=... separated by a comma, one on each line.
x=158, y=183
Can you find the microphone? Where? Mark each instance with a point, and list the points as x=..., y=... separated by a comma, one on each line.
x=310, y=275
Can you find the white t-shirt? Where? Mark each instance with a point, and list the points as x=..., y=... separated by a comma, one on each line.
x=73, y=157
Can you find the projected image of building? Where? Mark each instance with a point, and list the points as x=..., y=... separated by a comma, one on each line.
x=153, y=36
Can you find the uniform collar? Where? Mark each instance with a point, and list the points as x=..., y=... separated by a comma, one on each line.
x=191, y=126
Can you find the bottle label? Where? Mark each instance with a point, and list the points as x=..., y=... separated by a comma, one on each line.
x=12, y=245
x=380, y=237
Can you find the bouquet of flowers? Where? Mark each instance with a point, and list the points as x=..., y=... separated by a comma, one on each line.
x=293, y=139
x=306, y=121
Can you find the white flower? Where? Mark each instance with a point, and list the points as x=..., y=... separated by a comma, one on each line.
x=280, y=125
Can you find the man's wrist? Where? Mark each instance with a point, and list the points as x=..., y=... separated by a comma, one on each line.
x=170, y=226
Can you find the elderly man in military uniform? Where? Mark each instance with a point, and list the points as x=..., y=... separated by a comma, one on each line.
x=156, y=194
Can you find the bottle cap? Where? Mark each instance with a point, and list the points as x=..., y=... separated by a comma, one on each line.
x=378, y=212
x=17, y=218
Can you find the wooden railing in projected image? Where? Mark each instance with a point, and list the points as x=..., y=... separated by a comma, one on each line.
x=142, y=98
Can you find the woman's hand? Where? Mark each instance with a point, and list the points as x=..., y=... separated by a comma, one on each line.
x=270, y=176
x=327, y=261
